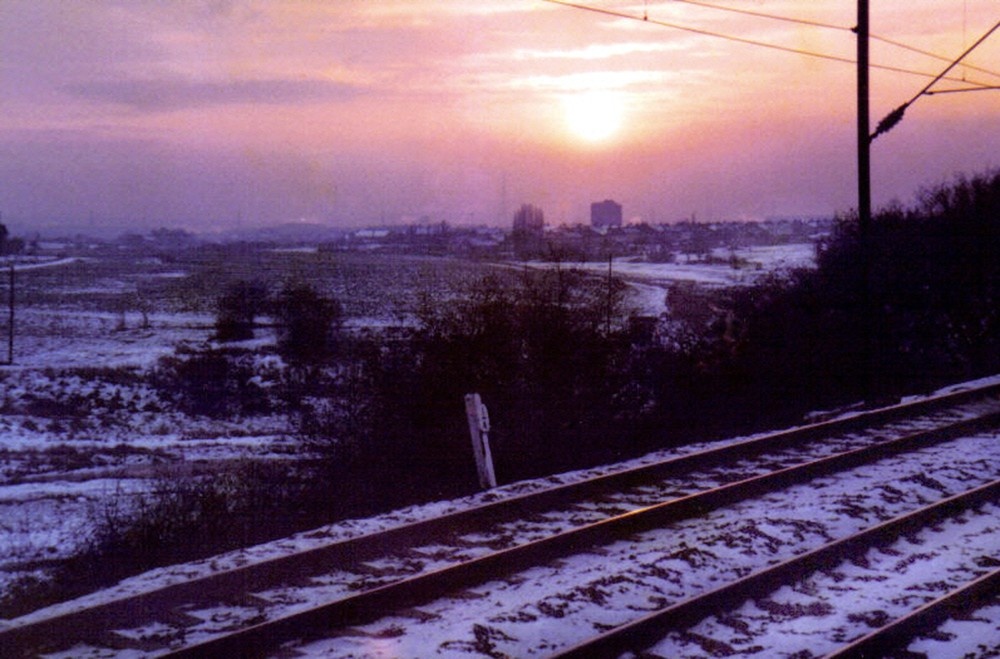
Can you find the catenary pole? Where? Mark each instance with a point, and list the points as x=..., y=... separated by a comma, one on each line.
x=864, y=134
x=865, y=201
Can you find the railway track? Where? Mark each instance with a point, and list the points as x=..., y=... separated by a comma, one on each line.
x=648, y=631
x=346, y=585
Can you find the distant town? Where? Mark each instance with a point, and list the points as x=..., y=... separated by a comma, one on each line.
x=527, y=237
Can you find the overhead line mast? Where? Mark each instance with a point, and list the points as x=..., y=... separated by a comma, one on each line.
x=868, y=351
x=864, y=130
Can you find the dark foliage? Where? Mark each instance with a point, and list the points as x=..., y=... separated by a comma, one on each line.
x=182, y=519
x=916, y=308
x=237, y=309
x=541, y=356
x=213, y=383
x=307, y=323
x=567, y=390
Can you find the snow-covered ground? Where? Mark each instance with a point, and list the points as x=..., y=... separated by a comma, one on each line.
x=50, y=338
x=648, y=282
x=81, y=428
x=845, y=602
x=546, y=608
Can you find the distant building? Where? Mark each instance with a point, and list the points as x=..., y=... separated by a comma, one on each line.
x=529, y=219
x=529, y=228
x=605, y=213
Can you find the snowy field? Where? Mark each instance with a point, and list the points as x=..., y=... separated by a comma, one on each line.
x=82, y=428
x=648, y=282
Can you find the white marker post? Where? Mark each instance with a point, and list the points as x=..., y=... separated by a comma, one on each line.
x=479, y=428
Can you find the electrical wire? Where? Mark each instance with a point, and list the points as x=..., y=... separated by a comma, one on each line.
x=693, y=30
x=955, y=63
x=759, y=14
x=958, y=91
x=751, y=42
x=831, y=26
x=928, y=53
x=894, y=117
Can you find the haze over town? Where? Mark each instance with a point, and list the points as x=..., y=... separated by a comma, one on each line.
x=211, y=115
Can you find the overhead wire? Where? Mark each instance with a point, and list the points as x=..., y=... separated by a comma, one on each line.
x=957, y=91
x=894, y=117
x=831, y=26
x=760, y=14
x=752, y=42
x=694, y=30
x=955, y=63
x=928, y=53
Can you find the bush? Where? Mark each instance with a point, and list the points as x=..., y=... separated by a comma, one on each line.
x=307, y=323
x=237, y=309
x=539, y=353
x=215, y=383
x=918, y=307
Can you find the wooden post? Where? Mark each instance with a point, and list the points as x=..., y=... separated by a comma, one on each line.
x=479, y=428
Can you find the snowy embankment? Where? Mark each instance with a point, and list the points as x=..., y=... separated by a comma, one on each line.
x=75, y=446
x=549, y=607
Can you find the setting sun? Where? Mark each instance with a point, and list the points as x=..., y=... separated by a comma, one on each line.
x=594, y=116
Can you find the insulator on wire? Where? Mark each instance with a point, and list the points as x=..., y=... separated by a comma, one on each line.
x=890, y=120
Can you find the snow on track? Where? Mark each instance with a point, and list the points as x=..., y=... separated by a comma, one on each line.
x=974, y=635
x=541, y=610
x=571, y=599
x=821, y=612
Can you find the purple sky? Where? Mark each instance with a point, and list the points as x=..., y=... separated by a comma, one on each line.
x=203, y=115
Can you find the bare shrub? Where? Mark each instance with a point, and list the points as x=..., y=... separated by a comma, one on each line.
x=180, y=519
x=215, y=383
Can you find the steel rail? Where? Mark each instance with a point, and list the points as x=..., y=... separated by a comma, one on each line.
x=92, y=620
x=255, y=640
x=893, y=635
x=646, y=631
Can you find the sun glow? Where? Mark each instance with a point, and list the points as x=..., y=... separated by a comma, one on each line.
x=594, y=116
